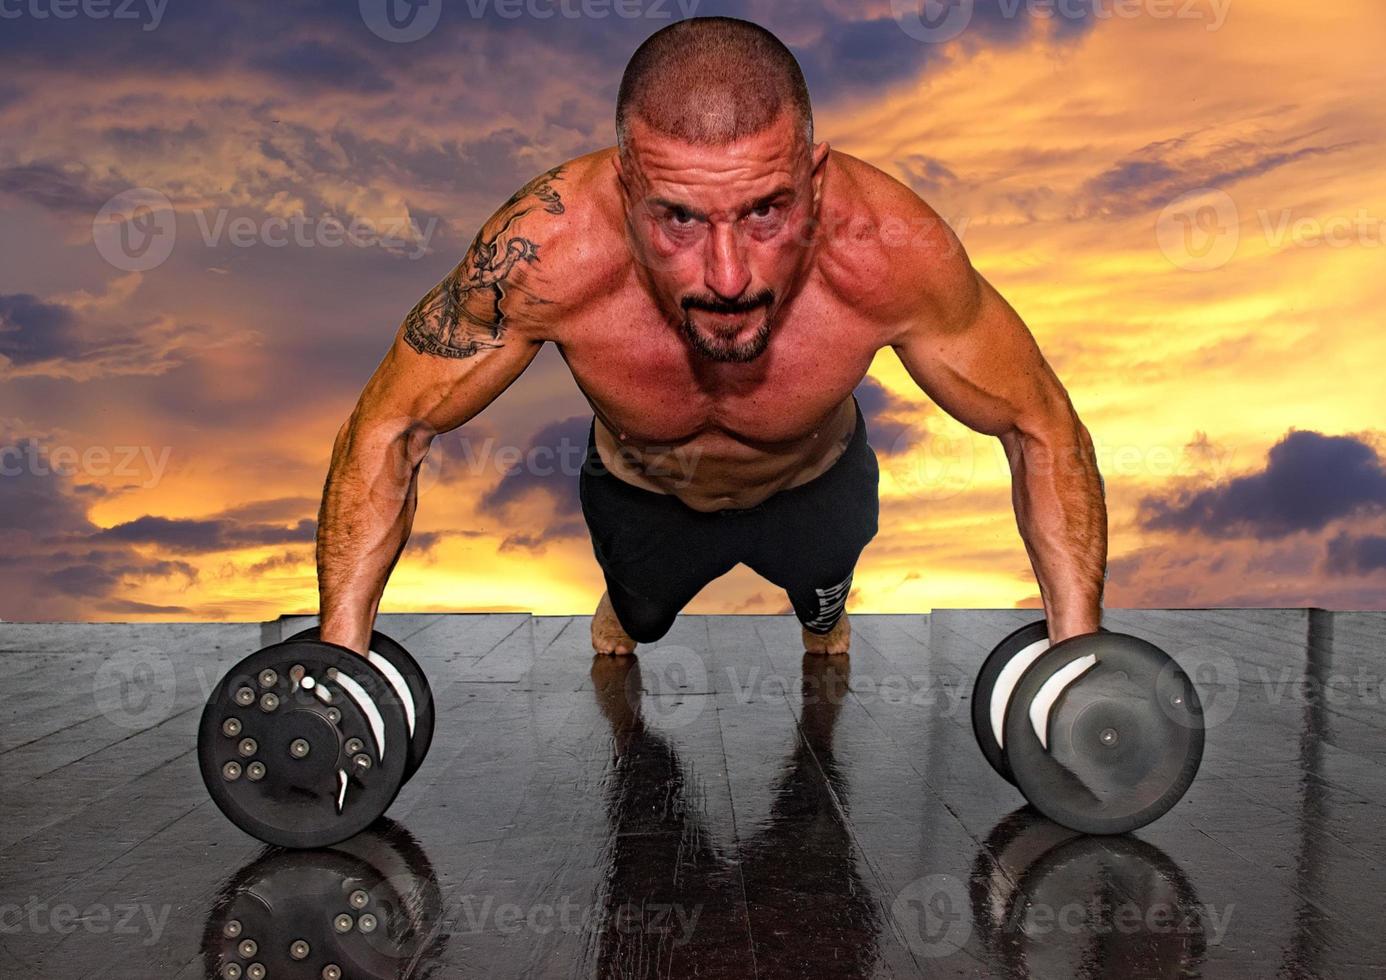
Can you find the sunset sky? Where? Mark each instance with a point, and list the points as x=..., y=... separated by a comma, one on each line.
x=1184, y=199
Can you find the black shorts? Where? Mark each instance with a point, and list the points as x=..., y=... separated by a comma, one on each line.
x=657, y=553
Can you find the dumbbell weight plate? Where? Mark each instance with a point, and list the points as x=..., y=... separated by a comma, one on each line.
x=1140, y=916
x=1048, y=901
x=294, y=914
x=410, y=682
x=290, y=904
x=995, y=681
x=275, y=709
x=1104, y=733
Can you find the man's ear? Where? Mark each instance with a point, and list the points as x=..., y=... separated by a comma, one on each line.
x=622, y=175
x=821, y=152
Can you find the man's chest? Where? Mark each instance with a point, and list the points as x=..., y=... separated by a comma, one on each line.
x=645, y=381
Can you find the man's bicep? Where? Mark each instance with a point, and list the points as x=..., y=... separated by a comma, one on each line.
x=438, y=393
x=453, y=354
x=473, y=333
x=983, y=366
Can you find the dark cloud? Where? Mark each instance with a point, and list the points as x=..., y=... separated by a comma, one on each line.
x=1310, y=479
x=549, y=465
x=495, y=164
x=1356, y=555
x=888, y=433
x=850, y=56
x=193, y=536
x=1160, y=172
x=98, y=579
x=45, y=338
x=549, y=468
x=65, y=187
x=286, y=559
x=926, y=174
x=537, y=542
x=321, y=65
x=132, y=607
x=33, y=330
x=193, y=40
x=32, y=496
x=157, y=139
x=54, y=564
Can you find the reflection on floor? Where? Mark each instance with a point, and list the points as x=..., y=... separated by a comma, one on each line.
x=721, y=806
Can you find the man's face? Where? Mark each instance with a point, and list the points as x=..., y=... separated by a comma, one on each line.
x=722, y=231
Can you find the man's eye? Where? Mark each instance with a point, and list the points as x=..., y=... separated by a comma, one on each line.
x=681, y=218
x=763, y=211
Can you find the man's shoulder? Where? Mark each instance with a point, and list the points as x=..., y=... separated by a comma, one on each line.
x=884, y=249
x=558, y=236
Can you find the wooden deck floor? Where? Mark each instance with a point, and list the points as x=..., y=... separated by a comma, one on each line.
x=749, y=813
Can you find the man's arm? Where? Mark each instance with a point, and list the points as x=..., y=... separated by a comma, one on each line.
x=457, y=350
x=970, y=352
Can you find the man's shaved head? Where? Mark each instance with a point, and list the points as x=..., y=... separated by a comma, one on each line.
x=711, y=81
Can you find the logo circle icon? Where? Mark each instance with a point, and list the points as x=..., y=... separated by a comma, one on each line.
x=1199, y=231
x=401, y=21
x=932, y=21
x=135, y=689
x=1216, y=679
x=933, y=915
x=135, y=230
x=932, y=465
x=672, y=687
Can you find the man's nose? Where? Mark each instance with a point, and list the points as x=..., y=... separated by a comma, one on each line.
x=725, y=272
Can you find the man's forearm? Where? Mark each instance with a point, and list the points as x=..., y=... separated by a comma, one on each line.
x=366, y=515
x=1061, y=511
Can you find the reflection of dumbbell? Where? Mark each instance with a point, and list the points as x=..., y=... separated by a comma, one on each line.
x=1102, y=732
x=367, y=909
x=305, y=743
x=1050, y=902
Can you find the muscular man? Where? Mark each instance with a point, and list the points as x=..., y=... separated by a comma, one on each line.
x=718, y=283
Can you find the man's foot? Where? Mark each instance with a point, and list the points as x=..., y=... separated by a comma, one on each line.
x=608, y=638
x=836, y=640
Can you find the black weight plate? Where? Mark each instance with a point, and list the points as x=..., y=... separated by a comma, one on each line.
x=1116, y=907
x=1124, y=732
x=422, y=713
x=289, y=904
x=296, y=802
x=294, y=915
x=1018, y=651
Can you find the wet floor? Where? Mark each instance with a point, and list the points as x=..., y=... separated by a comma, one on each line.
x=720, y=806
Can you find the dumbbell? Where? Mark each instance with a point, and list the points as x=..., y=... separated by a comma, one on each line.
x=1102, y=732
x=305, y=743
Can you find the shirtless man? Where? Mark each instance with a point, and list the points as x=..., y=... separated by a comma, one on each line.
x=718, y=285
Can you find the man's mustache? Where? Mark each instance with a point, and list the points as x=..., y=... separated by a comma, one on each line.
x=712, y=304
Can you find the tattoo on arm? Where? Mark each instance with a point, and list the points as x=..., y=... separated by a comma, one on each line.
x=462, y=315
